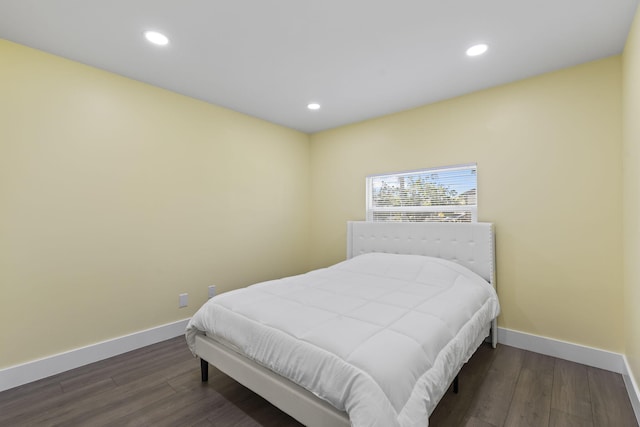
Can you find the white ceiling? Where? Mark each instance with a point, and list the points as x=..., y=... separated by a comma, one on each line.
x=358, y=58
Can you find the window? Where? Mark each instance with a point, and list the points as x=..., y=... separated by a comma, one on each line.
x=446, y=194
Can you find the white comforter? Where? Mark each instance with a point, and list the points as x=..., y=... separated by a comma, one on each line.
x=380, y=335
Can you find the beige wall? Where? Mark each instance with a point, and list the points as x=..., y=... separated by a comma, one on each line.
x=116, y=196
x=631, y=168
x=549, y=176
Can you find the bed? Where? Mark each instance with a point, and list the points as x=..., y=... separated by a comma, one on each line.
x=375, y=340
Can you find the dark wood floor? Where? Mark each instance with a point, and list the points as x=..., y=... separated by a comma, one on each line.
x=160, y=385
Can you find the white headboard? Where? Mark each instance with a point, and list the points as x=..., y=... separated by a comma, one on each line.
x=468, y=244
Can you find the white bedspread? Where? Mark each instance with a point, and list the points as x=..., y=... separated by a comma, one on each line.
x=380, y=336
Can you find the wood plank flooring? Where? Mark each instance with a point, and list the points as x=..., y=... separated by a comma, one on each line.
x=159, y=385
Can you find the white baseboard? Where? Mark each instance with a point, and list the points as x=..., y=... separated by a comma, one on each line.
x=15, y=376
x=632, y=389
x=589, y=356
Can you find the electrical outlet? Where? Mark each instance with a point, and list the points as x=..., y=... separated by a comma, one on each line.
x=183, y=300
x=212, y=291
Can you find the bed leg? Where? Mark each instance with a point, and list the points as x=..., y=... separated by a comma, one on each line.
x=494, y=333
x=456, y=384
x=204, y=370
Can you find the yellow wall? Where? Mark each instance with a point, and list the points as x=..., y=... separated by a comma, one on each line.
x=549, y=176
x=631, y=168
x=116, y=196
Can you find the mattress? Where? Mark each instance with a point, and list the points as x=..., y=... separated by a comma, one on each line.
x=379, y=336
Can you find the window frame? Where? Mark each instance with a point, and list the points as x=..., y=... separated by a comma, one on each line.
x=371, y=210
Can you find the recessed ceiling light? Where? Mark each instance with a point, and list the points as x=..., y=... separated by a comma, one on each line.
x=313, y=106
x=478, y=49
x=156, y=38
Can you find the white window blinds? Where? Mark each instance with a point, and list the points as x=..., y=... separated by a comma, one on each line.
x=446, y=194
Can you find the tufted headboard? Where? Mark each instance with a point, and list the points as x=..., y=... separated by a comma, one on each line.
x=469, y=244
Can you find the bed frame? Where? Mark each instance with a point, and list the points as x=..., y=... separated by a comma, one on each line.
x=471, y=245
